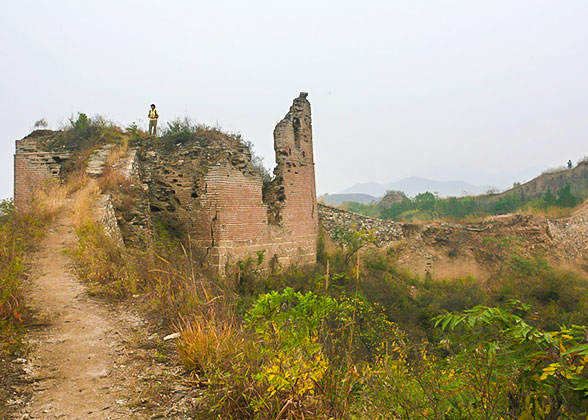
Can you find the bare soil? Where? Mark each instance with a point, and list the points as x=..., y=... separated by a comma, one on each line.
x=88, y=359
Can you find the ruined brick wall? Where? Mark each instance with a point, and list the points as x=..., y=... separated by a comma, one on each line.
x=383, y=231
x=33, y=166
x=443, y=249
x=295, y=173
x=279, y=218
x=208, y=189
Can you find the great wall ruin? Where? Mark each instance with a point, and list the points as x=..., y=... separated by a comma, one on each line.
x=208, y=190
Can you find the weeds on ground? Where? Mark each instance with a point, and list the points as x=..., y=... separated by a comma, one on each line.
x=334, y=346
x=161, y=276
x=13, y=311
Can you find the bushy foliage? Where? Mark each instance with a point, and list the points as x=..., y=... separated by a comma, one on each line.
x=180, y=130
x=507, y=204
x=427, y=206
x=162, y=275
x=493, y=366
x=294, y=356
x=565, y=198
x=83, y=133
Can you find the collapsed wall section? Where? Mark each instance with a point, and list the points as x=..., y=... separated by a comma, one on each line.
x=207, y=190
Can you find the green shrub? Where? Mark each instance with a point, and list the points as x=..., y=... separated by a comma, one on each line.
x=565, y=198
x=293, y=358
x=507, y=204
x=84, y=132
x=493, y=366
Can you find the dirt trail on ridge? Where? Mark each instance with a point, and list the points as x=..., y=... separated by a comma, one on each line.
x=81, y=364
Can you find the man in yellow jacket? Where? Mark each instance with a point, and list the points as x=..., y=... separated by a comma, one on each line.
x=153, y=116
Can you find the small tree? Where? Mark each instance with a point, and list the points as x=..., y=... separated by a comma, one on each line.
x=40, y=124
x=565, y=198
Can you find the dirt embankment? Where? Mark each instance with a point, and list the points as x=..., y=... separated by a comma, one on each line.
x=444, y=249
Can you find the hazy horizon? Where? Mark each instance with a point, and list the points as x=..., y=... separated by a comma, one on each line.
x=397, y=88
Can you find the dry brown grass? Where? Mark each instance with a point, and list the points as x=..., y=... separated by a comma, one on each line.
x=89, y=189
x=112, y=179
x=553, y=212
x=206, y=345
x=117, y=153
x=48, y=200
x=51, y=196
x=83, y=206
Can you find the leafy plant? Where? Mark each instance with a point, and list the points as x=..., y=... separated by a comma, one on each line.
x=517, y=370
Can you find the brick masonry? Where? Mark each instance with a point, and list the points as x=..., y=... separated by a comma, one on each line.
x=33, y=166
x=237, y=223
x=209, y=190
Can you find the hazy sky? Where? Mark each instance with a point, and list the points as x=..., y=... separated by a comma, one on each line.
x=445, y=89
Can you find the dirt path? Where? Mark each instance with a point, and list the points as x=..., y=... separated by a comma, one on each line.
x=83, y=364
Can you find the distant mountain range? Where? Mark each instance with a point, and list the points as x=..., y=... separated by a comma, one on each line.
x=414, y=185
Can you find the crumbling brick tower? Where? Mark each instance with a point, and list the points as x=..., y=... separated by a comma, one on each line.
x=294, y=173
x=205, y=189
x=278, y=218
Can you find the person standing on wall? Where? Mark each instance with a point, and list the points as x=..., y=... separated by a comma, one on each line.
x=153, y=116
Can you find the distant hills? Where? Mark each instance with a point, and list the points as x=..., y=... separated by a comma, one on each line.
x=338, y=199
x=553, y=180
x=414, y=185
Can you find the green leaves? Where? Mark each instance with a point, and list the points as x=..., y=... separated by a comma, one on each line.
x=546, y=367
x=580, y=349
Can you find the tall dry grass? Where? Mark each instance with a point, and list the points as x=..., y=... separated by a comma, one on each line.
x=552, y=212
x=48, y=200
x=117, y=153
x=84, y=204
x=112, y=180
x=205, y=345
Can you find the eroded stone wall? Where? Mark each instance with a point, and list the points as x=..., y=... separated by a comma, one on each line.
x=33, y=166
x=481, y=249
x=206, y=189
